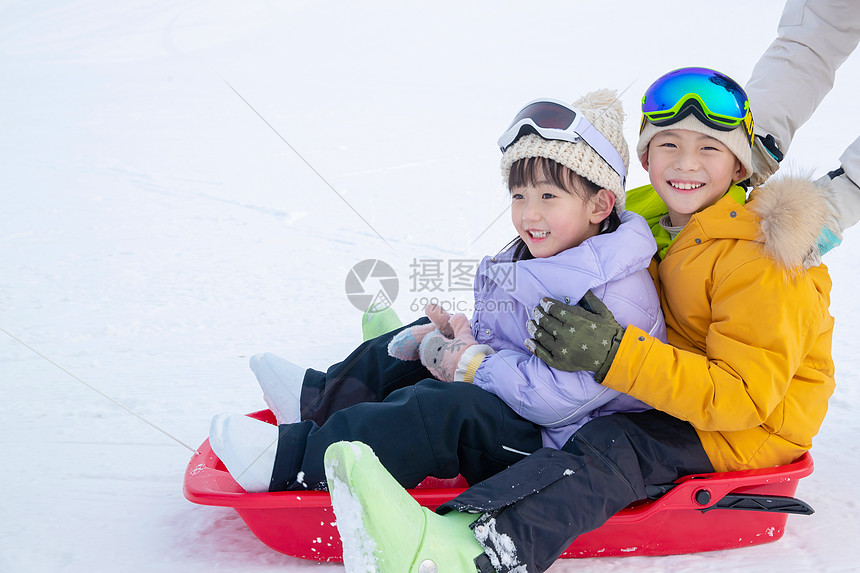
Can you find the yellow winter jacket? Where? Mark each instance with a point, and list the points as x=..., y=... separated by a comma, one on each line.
x=748, y=362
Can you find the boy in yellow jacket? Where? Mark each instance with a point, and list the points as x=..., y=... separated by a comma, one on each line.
x=743, y=382
x=748, y=362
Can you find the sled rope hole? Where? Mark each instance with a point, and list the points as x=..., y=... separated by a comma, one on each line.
x=96, y=390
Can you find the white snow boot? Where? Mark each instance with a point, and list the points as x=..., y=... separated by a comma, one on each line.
x=281, y=382
x=384, y=529
x=247, y=447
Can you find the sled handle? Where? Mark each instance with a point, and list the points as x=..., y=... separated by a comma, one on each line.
x=739, y=501
x=768, y=503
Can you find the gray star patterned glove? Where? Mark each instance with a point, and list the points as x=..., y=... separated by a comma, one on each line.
x=574, y=338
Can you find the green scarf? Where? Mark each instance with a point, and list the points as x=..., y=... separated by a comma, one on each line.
x=645, y=201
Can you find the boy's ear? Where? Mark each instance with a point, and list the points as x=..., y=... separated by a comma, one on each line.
x=644, y=160
x=741, y=172
x=602, y=206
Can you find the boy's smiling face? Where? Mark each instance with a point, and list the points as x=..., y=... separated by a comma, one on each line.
x=689, y=171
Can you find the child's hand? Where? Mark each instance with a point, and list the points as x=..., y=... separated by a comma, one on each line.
x=405, y=345
x=574, y=338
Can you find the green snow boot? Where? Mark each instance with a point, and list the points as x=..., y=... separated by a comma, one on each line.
x=375, y=324
x=384, y=529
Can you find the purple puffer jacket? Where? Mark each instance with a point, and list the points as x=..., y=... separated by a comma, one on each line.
x=615, y=267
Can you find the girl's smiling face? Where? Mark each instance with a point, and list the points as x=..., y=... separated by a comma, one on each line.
x=690, y=171
x=550, y=219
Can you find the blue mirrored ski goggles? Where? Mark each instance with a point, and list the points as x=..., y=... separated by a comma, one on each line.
x=554, y=120
x=715, y=99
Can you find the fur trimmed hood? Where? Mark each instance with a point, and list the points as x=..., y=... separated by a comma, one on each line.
x=793, y=212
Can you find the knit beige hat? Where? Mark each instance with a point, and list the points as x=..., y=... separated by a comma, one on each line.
x=736, y=140
x=605, y=112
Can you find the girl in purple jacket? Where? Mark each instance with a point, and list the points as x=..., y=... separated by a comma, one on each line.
x=444, y=396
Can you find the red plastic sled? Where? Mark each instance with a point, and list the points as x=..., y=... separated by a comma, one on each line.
x=697, y=513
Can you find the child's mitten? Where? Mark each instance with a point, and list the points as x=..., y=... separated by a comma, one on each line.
x=442, y=355
x=405, y=344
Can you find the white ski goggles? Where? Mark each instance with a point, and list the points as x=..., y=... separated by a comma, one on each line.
x=555, y=120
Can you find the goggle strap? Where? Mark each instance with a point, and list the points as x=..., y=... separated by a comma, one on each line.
x=598, y=142
x=746, y=123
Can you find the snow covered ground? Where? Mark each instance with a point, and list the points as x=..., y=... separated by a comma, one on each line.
x=155, y=232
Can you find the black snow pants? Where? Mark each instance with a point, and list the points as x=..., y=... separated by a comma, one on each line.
x=546, y=500
x=416, y=425
x=368, y=374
